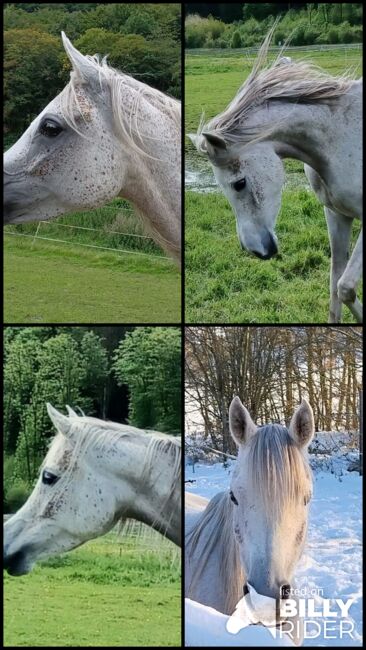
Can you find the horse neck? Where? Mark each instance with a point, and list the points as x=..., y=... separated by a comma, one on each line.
x=158, y=203
x=301, y=131
x=157, y=501
x=153, y=181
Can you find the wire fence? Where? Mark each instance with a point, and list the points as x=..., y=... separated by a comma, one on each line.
x=254, y=50
x=130, y=246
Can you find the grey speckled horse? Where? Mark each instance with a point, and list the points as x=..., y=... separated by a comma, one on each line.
x=95, y=474
x=292, y=110
x=105, y=135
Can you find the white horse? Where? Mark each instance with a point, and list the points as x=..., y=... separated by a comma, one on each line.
x=292, y=110
x=105, y=135
x=95, y=474
x=254, y=533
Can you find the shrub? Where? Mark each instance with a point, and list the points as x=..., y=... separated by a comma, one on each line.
x=222, y=42
x=333, y=36
x=310, y=35
x=236, y=40
x=298, y=37
x=209, y=42
x=200, y=30
x=16, y=496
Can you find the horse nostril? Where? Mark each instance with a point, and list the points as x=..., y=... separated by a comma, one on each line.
x=285, y=591
x=245, y=589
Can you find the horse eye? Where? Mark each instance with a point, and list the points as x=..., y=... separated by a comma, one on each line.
x=50, y=128
x=48, y=478
x=233, y=498
x=307, y=498
x=239, y=185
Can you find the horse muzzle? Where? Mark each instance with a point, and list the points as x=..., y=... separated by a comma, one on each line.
x=17, y=563
x=269, y=247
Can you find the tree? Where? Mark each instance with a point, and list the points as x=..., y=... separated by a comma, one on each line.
x=271, y=369
x=236, y=39
x=148, y=360
x=94, y=363
x=31, y=75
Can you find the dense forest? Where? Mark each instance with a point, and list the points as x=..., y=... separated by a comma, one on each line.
x=125, y=374
x=143, y=40
x=271, y=369
x=237, y=25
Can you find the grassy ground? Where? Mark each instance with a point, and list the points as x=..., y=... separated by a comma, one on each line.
x=102, y=594
x=55, y=282
x=52, y=283
x=224, y=284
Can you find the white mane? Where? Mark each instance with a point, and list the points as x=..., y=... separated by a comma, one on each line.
x=127, y=118
x=92, y=432
x=283, y=80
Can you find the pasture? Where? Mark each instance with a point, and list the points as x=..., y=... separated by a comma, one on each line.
x=224, y=283
x=68, y=281
x=108, y=592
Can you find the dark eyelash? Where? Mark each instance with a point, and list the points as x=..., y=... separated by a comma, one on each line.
x=233, y=498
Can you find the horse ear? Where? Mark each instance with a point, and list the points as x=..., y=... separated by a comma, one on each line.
x=199, y=142
x=215, y=141
x=302, y=426
x=194, y=138
x=61, y=422
x=71, y=412
x=82, y=66
x=241, y=424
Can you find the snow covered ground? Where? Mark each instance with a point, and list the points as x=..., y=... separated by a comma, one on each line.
x=207, y=627
x=332, y=557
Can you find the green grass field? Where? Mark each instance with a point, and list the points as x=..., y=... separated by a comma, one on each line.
x=57, y=282
x=106, y=593
x=223, y=283
x=49, y=283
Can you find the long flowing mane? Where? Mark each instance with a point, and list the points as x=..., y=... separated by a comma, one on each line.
x=298, y=82
x=127, y=117
x=217, y=517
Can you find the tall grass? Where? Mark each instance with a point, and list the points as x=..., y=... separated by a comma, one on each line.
x=114, y=226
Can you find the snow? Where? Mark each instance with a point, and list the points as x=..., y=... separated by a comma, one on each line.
x=207, y=627
x=331, y=561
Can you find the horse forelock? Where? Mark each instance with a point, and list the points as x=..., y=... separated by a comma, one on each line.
x=277, y=470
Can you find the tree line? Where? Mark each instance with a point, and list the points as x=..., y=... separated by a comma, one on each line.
x=245, y=25
x=143, y=40
x=271, y=369
x=119, y=373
